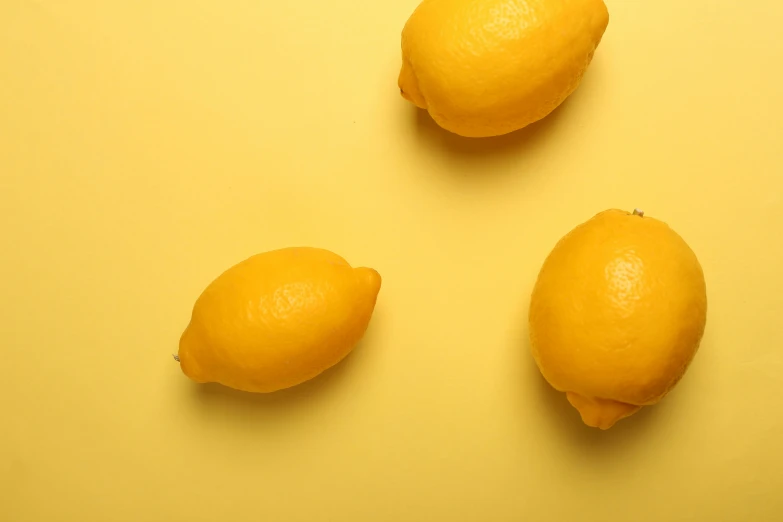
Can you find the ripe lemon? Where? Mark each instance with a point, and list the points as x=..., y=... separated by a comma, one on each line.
x=278, y=319
x=617, y=314
x=490, y=67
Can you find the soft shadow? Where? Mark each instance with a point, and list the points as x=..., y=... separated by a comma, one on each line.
x=565, y=419
x=519, y=144
x=326, y=386
x=565, y=423
x=524, y=139
x=212, y=394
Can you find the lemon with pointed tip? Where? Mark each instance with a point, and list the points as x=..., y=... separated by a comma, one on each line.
x=278, y=319
x=617, y=314
x=490, y=67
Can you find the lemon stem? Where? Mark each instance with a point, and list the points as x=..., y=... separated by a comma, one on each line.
x=176, y=357
x=638, y=212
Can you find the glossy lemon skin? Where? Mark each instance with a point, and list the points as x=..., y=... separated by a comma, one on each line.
x=278, y=319
x=617, y=314
x=489, y=67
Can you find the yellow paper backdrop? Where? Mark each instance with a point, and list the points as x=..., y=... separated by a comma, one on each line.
x=146, y=146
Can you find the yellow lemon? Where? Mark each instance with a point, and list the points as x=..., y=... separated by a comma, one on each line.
x=617, y=314
x=490, y=67
x=278, y=319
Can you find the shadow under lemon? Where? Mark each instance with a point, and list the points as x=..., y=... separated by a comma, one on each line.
x=319, y=388
x=563, y=420
x=517, y=142
x=210, y=393
x=522, y=142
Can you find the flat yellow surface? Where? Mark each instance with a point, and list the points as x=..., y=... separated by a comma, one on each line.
x=146, y=146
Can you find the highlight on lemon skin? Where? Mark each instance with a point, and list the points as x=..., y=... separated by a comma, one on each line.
x=617, y=315
x=278, y=319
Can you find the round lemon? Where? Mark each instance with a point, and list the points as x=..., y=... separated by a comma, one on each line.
x=278, y=319
x=490, y=67
x=617, y=314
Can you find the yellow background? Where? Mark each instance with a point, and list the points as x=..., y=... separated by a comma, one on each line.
x=146, y=146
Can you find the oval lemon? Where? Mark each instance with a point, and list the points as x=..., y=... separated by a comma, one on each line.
x=490, y=67
x=617, y=314
x=278, y=319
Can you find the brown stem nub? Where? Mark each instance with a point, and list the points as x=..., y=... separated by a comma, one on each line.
x=638, y=212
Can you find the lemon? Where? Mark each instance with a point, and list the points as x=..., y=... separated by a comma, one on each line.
x=617, y=314
x=490, y=67
x=278, y=319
